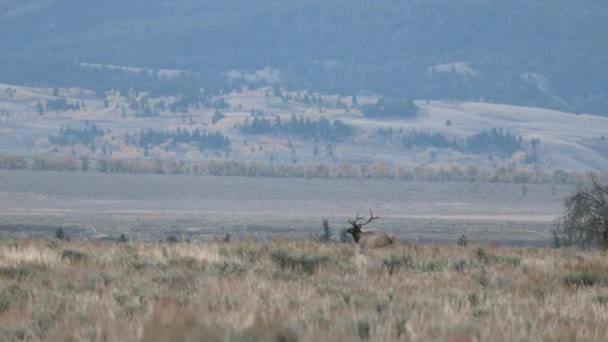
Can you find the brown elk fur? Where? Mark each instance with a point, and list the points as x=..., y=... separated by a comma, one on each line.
x=369, y=239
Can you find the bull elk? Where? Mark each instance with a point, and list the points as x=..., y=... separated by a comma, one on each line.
x=368, y=239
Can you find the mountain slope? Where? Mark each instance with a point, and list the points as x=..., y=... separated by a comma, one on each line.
x=547, y=53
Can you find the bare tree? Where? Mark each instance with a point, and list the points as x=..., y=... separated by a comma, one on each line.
x=368, y=239
x=585, y=222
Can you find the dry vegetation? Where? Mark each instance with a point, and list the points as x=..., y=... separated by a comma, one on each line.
x=289, y=290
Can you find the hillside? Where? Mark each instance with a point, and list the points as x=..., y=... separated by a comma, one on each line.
x=269, y=126
x=544, y=53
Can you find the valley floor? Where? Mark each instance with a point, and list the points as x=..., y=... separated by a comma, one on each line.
x=153, y=207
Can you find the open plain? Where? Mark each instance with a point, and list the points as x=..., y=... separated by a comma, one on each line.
x=152, y=207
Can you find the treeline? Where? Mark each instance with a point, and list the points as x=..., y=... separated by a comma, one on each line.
x=8, y=162
x=65, y=163
x=203, y=140
x=494, y=141
x=387, y=107
x=73, y=136
x=59, y=105
x=344, y=170
x=192, y=98
x=321, y=128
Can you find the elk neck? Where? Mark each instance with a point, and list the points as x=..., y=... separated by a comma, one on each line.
x=356, y=235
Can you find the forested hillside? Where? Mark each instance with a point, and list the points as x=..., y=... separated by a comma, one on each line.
x=549, y=53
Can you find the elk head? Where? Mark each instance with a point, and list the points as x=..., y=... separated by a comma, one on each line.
x=357, y=223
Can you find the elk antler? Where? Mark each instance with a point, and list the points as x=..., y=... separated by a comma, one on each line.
x=371, y=218
x=356, y=223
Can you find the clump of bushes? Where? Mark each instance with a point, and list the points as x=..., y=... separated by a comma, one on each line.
x=298, y=263
x=585, y=222
x=60, y=234
x=586, y=278
x=227, y=268
x=397, y=262
x=487, y=258
x=463, y=241
x=74, y=256
x=12, y=295
x=345, y=237
x=172, y=239
x=21, y=272
x=459, y=265
x=187, y=262
x=123, y=238
x=326, y=233
x=247, y=255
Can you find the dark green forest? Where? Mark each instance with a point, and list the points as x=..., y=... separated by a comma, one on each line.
x=202, y=140
x=548, y=53
x=319, y=129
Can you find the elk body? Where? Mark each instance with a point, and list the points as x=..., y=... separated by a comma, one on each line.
x=371, y=238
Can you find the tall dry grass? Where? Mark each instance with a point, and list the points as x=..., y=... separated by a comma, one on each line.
x=298, y=290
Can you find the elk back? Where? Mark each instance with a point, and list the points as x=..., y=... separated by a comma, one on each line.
x=375, y=240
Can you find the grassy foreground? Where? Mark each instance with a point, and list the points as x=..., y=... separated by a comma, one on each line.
x=298, y=290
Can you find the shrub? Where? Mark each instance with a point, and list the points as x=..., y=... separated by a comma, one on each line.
x=585, y=279
x=345, y=237
x=487, y=258
x=121, y=298
x=327, y=233
x=463, y=241
x=11, y=295
x=400, y=322
x=227, y=237
x=483, y=279
x=17, y=333
x=363, y=329
x=300, y=264
x=482, y=256
x=188, y=262
x=247, y=255
x=61, y=235
x=5, y=302
x=460, y=265
x=513, y=261
x=21, y=272
x=123, y=238
x=172, y=239
x=585, y=222
x=601, y=299
x=396, y=262
x=74, y=256
x=435, y=264
x=227, y=268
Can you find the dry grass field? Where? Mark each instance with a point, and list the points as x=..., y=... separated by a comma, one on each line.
x=298, y=290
